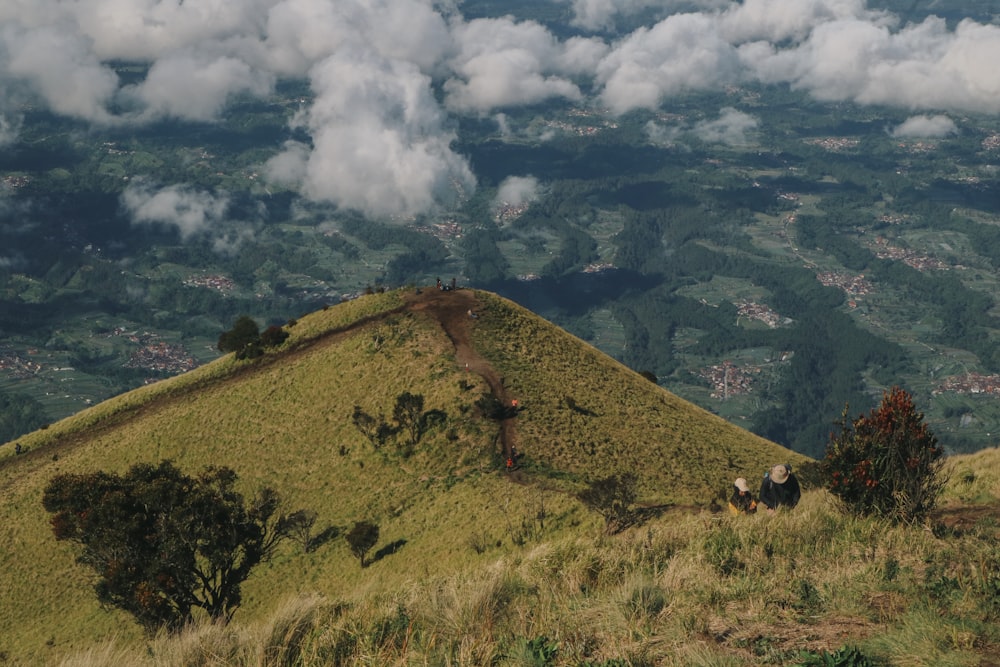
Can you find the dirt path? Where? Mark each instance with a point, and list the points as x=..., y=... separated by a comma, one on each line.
x=451, y=309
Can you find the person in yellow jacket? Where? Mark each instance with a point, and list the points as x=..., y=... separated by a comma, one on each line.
x=742, y=501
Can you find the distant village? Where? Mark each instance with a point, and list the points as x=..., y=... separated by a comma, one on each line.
x=851, y=285
x=728, y=380
x=970, y=383
x=14, y=365
x=216, y=282
x=920, y=262
x=758, y=311
x=156, y=355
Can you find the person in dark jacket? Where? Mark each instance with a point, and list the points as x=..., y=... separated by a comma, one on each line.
x=742, y=502
x=779, y=488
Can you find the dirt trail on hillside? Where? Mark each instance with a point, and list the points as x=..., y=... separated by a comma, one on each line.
x=450, y=308
x=457, y=311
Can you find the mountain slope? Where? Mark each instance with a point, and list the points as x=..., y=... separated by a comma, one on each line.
x=285, y=421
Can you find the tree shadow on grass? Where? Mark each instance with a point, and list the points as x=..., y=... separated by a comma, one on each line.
x=321, y=538
x=387, y=550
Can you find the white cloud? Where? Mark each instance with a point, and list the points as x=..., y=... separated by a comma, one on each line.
x=682, y=53
x=381, y=142
x=300, y=33
x=664, y=136
x=601, y=14
x=59, y=68
x=782, y=20
x=516, y=190
x=500, y=63
x=10, y=125
x=922, y=66
x=731, y=127
x=189, y=87
x=190, y=211
x=379, y=145
x=923, y=126
x=503, y=125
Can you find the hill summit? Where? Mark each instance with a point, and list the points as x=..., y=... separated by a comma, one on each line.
x=495, y=383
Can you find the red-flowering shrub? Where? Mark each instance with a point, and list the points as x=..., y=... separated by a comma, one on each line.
x=886, y=463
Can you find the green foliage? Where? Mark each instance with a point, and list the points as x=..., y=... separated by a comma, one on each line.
x=407, y=412
x=273, y=336
x=538, y=652
x=886, y=463
x=847, y=656
x=247, y=341
x=164, y=543
x=361, y=538
x=19, y=413
x=243, y=339
x=612, y=497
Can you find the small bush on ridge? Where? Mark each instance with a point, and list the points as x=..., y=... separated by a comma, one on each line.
x=886, y=463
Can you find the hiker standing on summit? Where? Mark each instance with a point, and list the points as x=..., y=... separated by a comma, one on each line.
x=779, y=488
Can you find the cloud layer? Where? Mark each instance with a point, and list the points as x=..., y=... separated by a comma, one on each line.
x=190, y=211
x=390, y=77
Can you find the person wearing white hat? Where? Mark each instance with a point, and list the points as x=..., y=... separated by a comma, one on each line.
x=780, y=488
x=742, y=502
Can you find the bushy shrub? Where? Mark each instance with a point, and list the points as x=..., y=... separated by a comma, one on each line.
x=243, y=339
x=886, y=463
x=273, y=336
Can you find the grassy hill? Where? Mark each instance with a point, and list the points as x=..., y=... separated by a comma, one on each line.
x=477, y=565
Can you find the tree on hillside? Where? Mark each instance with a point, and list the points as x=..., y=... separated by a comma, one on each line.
x=408, y=413
x=361, y=538
x=886, y=463
x=246, y=340
x=612, y=497
x=243, y=339
x=164, y=543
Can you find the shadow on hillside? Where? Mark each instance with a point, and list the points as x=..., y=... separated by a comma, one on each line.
x=577, y=408
x=387, y=550
x=314, y=542
x=637, y=516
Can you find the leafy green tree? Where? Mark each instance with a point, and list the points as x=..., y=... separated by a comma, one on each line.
x=361, y=538
x=612, y=497
x=408, y=413
x=886, y=463
x=243, y=339
x=164, y=543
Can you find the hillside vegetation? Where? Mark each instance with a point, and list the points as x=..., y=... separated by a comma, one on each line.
x=476, y=564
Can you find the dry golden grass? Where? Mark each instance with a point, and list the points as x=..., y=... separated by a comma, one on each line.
x=488, y=567
x=691, y=588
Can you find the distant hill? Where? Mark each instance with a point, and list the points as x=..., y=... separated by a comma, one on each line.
x=285, y=420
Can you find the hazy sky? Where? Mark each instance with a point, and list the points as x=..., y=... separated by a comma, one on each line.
x=390, y=77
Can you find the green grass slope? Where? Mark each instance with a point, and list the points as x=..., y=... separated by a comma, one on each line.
x=285, y=421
